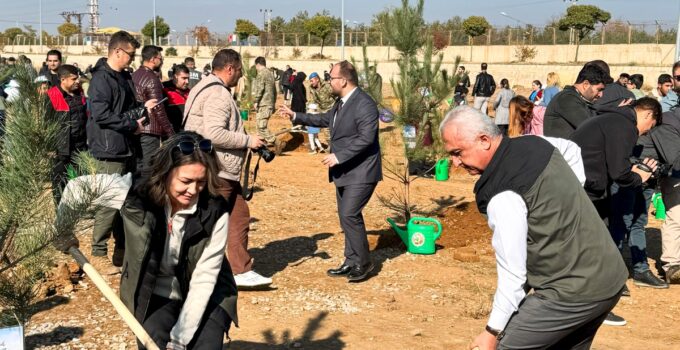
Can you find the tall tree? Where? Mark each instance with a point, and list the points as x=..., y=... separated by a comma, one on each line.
x=320, y=26
x=582, y=19
x=475, y=26
x=201, y=34
x=162, y=28
x=245, y=28
x=12, y=33
x=68, y=29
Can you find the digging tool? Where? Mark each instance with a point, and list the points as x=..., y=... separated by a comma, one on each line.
x=111, y=296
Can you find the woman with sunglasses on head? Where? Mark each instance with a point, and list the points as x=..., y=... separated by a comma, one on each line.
x=175, y=277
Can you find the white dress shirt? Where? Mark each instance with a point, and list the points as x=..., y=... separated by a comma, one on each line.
x=344, y=100
x=572, y=154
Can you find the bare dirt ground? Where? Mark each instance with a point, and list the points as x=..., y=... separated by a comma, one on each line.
x=438, y=301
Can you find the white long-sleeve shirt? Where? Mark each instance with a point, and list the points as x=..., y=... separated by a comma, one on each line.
x=507, y=216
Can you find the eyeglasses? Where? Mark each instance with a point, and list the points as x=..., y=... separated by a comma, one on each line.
x=677, y=77
x=132, y=55
x=188, y=147
x=337, y=78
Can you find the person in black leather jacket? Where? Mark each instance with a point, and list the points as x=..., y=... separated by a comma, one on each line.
x=484, y=88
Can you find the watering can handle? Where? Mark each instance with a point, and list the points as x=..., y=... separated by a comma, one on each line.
x=439, y=225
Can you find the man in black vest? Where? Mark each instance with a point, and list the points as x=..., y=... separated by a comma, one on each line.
x=354, y=163
x=547, y=236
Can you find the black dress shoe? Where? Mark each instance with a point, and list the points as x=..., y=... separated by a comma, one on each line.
x=341, y=271
x=359, y=273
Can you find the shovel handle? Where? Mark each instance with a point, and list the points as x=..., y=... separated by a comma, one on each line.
x=111, y=296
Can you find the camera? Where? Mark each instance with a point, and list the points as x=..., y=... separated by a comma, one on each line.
x=265, y=153
x=661, y=169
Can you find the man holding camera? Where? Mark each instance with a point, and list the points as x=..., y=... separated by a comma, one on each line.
x=114, y=120
x=663, y=144
x=607, y=142
x=211, y=111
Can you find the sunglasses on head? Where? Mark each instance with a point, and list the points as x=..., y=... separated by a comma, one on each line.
x=188, y=147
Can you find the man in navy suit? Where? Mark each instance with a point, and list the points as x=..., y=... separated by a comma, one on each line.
x=354, y=162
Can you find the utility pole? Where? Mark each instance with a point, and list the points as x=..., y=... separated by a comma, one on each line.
x=677, y=40
x=40, y=27
x=154, y=22
x=94, y=15
x=342, y=31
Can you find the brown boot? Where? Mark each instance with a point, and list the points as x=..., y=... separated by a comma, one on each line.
x=104, y=266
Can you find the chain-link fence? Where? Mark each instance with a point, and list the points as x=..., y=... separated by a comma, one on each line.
x=615, y=32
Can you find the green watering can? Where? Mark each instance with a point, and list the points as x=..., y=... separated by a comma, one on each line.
x=418, y=237
x=441, y=170
x=244, y=114
x=659, y=207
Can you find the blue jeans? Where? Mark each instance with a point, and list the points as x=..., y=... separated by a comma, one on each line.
x=629, y=208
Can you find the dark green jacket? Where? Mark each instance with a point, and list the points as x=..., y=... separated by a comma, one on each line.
x=145, y=232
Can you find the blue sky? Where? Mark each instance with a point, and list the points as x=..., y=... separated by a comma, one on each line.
x=222, y=14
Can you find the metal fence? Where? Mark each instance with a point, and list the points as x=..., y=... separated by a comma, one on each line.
x=617, y=32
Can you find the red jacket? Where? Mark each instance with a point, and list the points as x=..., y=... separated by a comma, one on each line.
x=174, y=107
x=73, y=136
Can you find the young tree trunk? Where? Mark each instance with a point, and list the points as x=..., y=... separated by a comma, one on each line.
x=578, y=45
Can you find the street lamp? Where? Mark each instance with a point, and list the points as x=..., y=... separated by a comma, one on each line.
x=505, y=14
x=266, y=13
x=266, y=24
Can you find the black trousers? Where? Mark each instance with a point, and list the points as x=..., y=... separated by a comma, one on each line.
x=148, y=145
x=351, y=201
x=162, y=315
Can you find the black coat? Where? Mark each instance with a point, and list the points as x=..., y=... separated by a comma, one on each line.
x=354, y=139
x=71, y=112
x=299, y=101
x=607, y=143
x=110, y=128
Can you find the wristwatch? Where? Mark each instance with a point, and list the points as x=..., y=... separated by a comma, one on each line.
x=495, y=332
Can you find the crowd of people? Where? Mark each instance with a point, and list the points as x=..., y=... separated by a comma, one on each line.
x=566, y=178
x=622, y=145
x=185, y=143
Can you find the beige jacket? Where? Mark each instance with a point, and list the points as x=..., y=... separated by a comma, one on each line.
x=214, y=115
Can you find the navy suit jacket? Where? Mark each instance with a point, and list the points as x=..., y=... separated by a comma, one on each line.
x=354, y=139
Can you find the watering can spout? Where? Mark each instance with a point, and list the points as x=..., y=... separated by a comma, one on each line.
x=403, y=234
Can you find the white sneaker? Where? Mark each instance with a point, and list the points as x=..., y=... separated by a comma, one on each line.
x=251, y=279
